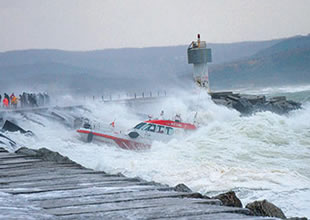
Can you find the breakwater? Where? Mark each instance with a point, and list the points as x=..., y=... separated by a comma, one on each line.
x=248, y=104
x=43, y=184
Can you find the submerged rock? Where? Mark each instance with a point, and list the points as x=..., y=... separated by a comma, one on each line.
x=229, y=199
x=265, y=208
x=248, y=104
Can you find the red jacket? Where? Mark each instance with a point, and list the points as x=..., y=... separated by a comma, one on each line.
x=6, y=102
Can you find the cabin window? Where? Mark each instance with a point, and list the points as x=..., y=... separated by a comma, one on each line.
x=169, y=130
x=150, y=127
x=160, y=129
x=138, y=126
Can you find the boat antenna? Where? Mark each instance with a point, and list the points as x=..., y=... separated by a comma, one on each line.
x=195, y=117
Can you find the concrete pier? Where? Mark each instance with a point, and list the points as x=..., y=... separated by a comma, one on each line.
x=44, y=185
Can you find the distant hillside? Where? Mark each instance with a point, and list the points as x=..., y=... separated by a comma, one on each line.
x=120, y=69
x=287, y=62
x=222, y=53
x=113, y=62
x=298, y=42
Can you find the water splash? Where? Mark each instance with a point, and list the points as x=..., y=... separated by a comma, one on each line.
x=264, y=156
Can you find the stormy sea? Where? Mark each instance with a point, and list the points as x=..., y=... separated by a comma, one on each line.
x=261, y=156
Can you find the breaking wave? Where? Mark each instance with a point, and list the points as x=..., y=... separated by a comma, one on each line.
x=264, y=156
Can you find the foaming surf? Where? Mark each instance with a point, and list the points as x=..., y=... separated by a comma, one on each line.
x=264, y=156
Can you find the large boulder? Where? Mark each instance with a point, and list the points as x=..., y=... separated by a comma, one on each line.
x=297, y=218
x=12, y=127
x=249, y=104
x=243, y=105
x=3, y=150
x=265, y=208
x=44, y=154
x=182, y=188
x=26, y=151
x=49, y=155
x=195, y=195
x=229, y=199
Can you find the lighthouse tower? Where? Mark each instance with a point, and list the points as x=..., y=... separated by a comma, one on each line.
x=199, y=55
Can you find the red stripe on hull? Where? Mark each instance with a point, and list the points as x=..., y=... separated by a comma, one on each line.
x=121, y=142
x=174, y=124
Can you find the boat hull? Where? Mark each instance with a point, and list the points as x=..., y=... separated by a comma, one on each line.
x=119, y=140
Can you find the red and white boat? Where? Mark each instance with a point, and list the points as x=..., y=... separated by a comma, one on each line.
x=139, y=137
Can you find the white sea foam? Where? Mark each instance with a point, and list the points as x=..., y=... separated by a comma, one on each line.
x=264, y=156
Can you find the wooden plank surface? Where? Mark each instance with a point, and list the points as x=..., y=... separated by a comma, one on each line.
x=50, y=190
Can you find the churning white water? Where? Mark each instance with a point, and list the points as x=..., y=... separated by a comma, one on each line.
x=264, y=156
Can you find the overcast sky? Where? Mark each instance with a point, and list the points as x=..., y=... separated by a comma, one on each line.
x=99, y=24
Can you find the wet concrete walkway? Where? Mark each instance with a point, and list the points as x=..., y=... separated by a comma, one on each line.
x=33, y=187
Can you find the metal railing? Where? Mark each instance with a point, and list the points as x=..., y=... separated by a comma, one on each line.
x=106, y=97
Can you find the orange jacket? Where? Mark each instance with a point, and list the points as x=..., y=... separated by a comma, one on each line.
x=14, y=100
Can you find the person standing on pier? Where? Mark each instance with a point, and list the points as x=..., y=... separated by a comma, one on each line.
x=20, y=98
x=14, y=101
x=7, y=97
x=11, y=98
x=5, y=102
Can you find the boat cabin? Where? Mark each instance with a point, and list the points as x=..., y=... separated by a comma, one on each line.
x=166, y=127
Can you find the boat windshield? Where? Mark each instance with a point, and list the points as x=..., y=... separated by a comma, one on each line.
x=169, y=130
x=155, y=128
x=150, y=127
x=138, y=126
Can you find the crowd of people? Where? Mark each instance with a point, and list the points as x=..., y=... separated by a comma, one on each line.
x=24, y=100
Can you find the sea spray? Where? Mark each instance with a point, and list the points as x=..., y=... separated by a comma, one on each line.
x=263, y=156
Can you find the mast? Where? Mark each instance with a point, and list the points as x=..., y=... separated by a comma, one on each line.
x=199, y=55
